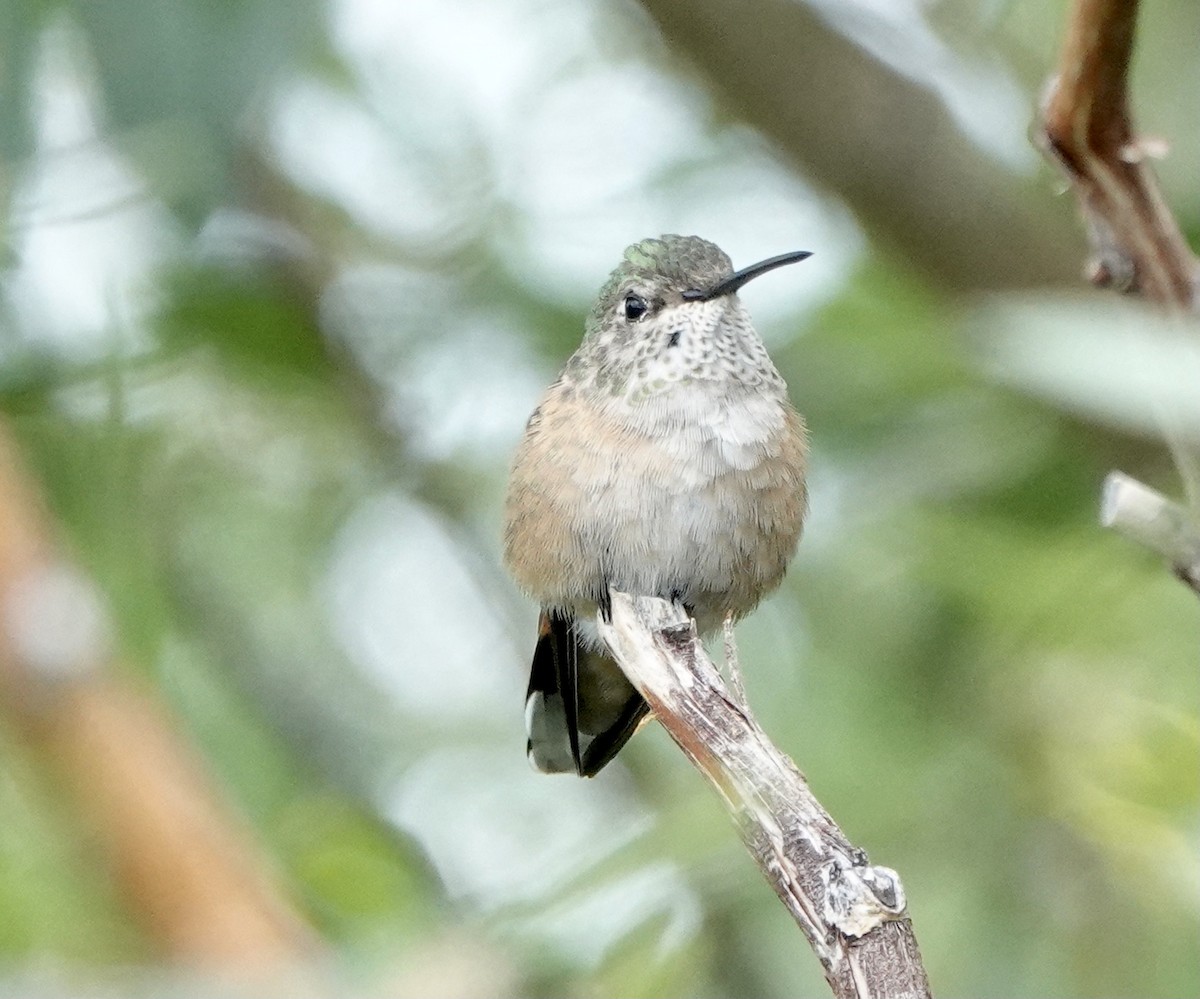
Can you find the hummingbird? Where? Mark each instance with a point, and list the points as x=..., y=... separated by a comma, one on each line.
x=666, y=460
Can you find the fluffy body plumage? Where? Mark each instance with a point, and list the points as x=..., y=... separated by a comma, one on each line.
x=666, y=460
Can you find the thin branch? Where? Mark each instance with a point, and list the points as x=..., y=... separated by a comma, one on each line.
x=1137, y=244
x=1086, y=128
x=1150, y=519
x=853, y=913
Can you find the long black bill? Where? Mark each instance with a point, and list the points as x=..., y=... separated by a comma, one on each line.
x=739, y=278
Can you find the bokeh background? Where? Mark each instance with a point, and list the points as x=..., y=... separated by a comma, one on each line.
x=281, y=281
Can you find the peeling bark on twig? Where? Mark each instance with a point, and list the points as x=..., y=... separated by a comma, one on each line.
x=853, y=914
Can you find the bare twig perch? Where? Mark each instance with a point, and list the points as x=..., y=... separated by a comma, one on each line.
x=1086, y=127
x=1150, y=519
x=852, y=913
x=1137, y=244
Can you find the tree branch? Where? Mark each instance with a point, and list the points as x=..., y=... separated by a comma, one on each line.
x=1086, y=129
x=185, y=863
x=1137, y=245
x=853, y=913
x=1150, y=519
x=873, y=135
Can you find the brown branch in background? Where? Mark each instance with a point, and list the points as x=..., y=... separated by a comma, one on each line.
x=875, y=137
x=1137, y=245
x=853, y=914
x=1086, y=127
x=184, y=864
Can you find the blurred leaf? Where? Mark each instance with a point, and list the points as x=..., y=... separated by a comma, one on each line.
x=1110, y=360
x=255, y=323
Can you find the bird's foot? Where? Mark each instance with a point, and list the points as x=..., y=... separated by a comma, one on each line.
x=731, y=666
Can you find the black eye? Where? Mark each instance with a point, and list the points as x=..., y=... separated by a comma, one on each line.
x=635, y=307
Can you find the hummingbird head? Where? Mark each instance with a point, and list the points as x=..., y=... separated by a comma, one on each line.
x=668, y=313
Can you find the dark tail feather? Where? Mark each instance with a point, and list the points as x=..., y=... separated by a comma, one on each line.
x=552, y=701
x=558, y=718
x=608, y=743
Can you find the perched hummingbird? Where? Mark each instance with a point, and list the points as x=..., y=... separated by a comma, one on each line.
x=667, y=461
